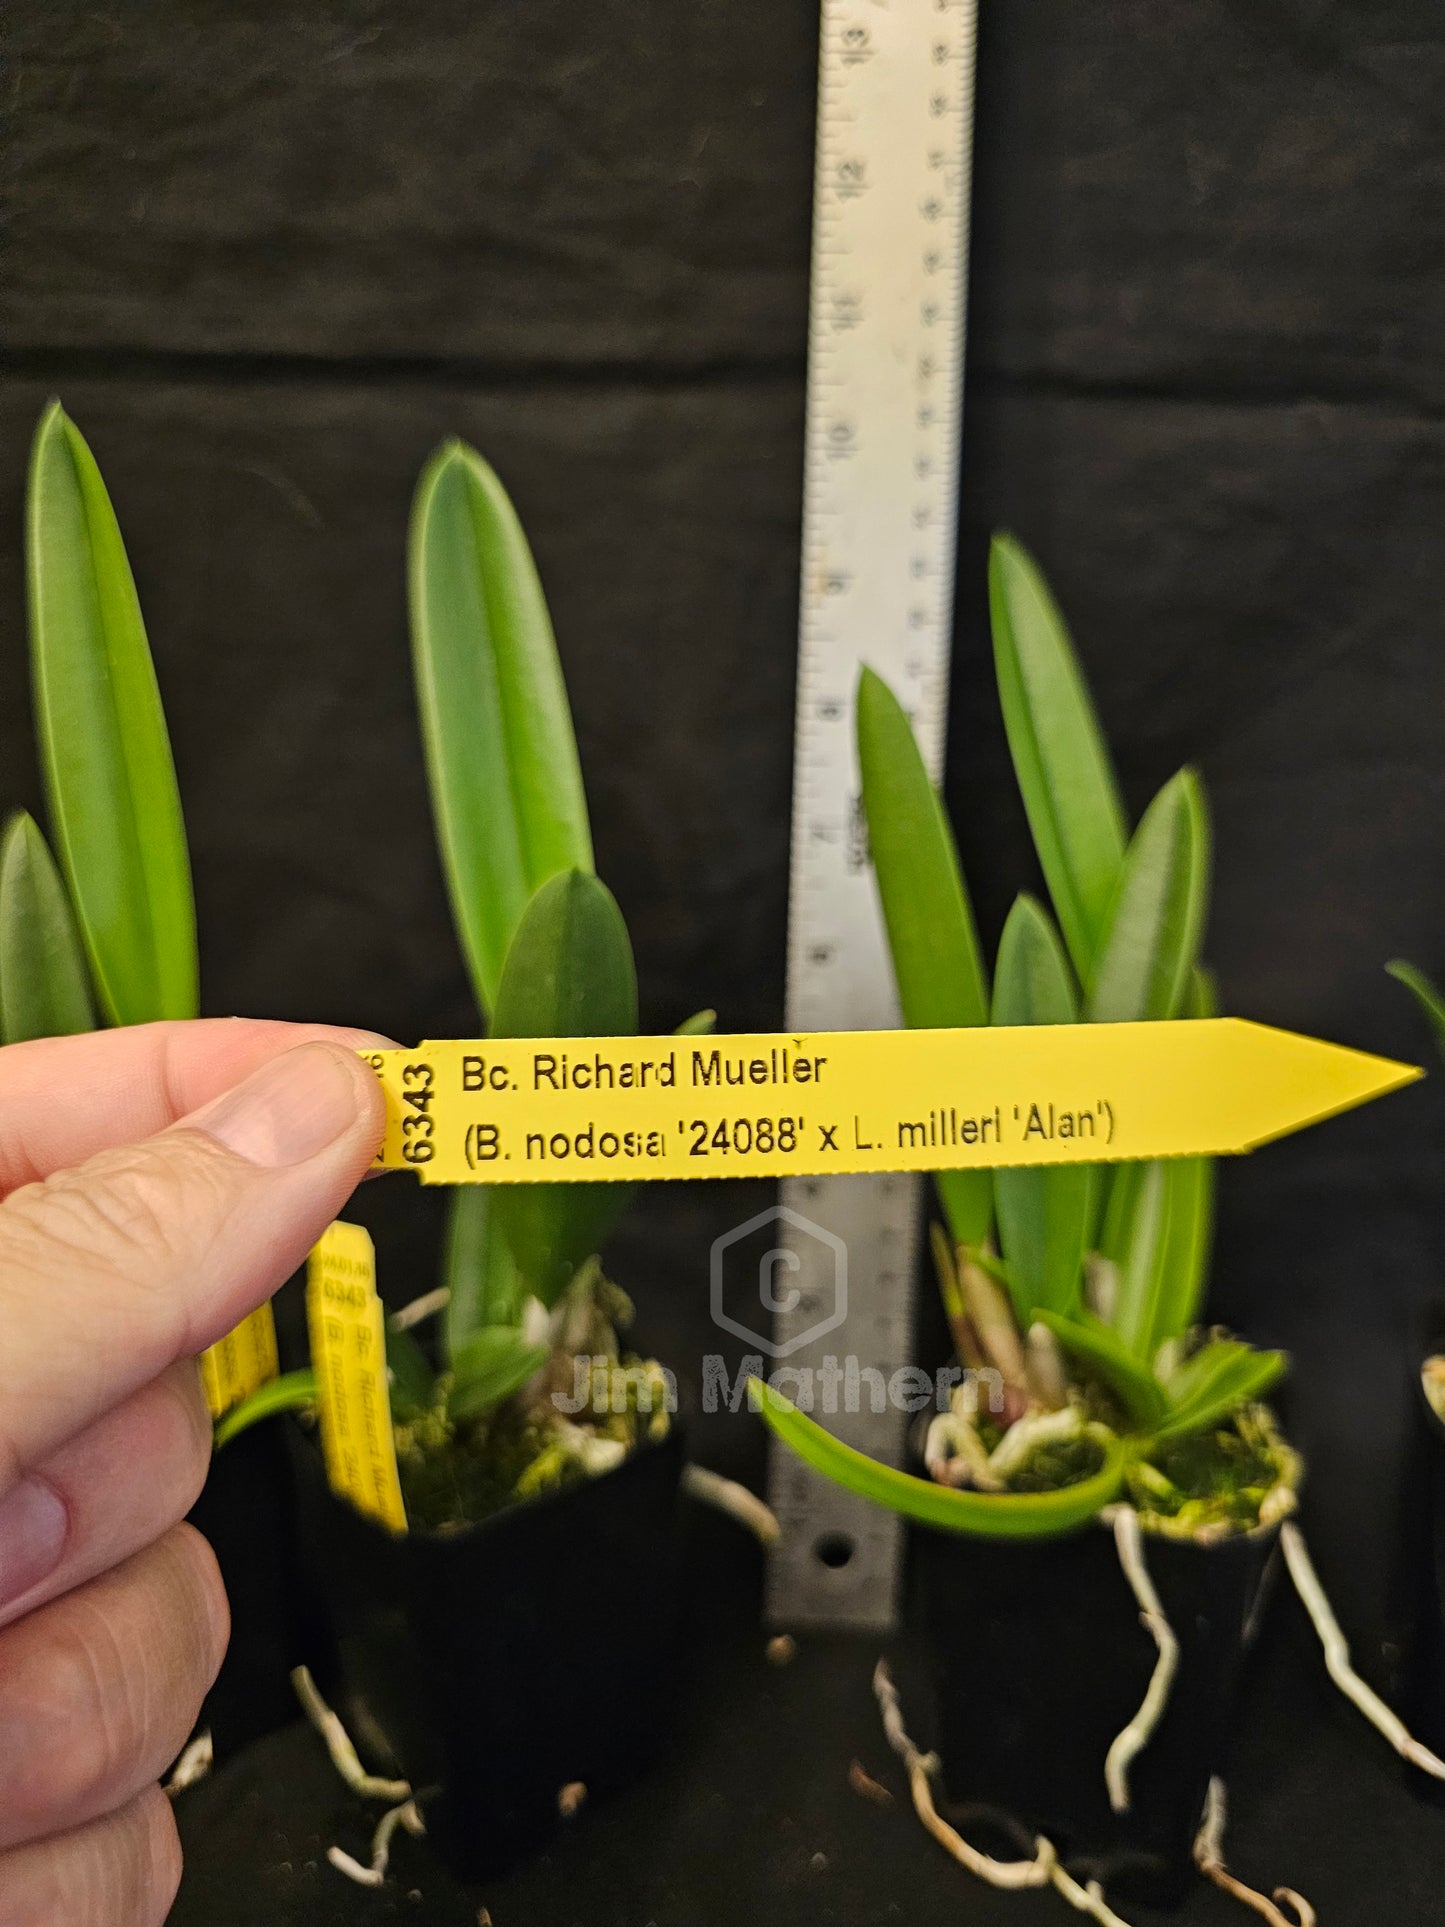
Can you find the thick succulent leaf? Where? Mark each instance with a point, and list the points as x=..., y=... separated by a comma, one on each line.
x=1043, y=1212
x=484, y=1286
x=1059, y=755
x=291, y=1392
x=114, y=806
x=1424, y=993
x=1214, y=1383
x=989, y=1515
x=926, y=912
x=1096, y=1347
x=569, y=973
x=413, y=1383
x=44, y=984
x=1156, y=922
x=506, y=785
x=494, y=1363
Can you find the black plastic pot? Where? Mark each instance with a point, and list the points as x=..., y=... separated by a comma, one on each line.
x=505, y=1660
x=1427, y=1490
x=1039, y=1658
x=246, y=1511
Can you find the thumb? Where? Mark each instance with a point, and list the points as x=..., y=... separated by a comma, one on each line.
x=113, y=1270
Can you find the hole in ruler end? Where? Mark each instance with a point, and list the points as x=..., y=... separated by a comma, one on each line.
x=834, y=1550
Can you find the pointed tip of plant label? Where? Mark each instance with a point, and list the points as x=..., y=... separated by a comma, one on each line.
x=1312, y=1080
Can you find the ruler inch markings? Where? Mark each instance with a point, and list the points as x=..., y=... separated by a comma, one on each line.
x=889, y=278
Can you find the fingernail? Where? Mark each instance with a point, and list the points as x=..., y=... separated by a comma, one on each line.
x=287, y=1111
x=33, y=1525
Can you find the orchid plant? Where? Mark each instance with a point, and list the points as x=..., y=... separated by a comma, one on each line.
x=1074, y=1293
x=522, y=1296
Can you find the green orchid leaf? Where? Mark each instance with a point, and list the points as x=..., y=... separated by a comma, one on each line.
x=1156, y=922
x=1124, y=1181
x=1161, y=1250
x=936, y=959
x=992, y=1266
x=1043, y=1212
x=413, y=1383
x=1187, y=1266
x=990, y=1515
x=114, y=806
x=1184, y=1273
x=1142, y=1265
x=501, y=757
x=493, y=1363
x=569, y=973
x=484, y=1285
x=44, y=984
x=1201, y=999
x=1216, y=1382
x=1059, y=755
x=1424, y=993
x=1095, y=1346
x=1196, y=1371
x=291, y=1392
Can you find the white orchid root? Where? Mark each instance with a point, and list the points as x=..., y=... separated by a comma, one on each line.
x=1128, y=1744
x=420, y=1308
x=1043, y=1870
x=740, y=1505
x=1209, y=1858
x=338, y=1744
x=1337, y=1657
x=407, y=1815
x=403, y=1813
x=194, y=1764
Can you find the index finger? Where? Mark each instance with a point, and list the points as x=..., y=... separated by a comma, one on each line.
x=62, y=1099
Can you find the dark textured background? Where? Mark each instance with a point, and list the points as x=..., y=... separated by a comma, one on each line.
x=269, y=255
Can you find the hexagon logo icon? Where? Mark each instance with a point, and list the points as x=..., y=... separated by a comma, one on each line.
x=809, y=1271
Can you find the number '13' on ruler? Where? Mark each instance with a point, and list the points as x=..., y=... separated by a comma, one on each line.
x=885, y=396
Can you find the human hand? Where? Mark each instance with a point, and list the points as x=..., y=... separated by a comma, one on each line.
x=157, y=1185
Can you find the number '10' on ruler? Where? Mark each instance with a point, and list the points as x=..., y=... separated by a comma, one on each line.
x=885, y=395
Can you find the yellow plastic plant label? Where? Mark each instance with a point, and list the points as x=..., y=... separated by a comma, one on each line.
x=241, y=1362
x=348, y=1351
x=533, y=1110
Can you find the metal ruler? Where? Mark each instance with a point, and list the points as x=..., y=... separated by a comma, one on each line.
x=885, y=400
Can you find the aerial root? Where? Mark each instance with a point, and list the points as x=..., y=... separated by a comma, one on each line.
x=1337, y=1657
x=1044, y=1870
x=1209, y=1858
x=1129, y=1540
x=338, y=1744
x=740, y=1505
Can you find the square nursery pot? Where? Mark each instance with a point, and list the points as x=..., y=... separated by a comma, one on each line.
x=505, y=1660
x=246, y=1511
x=1039, y=1658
